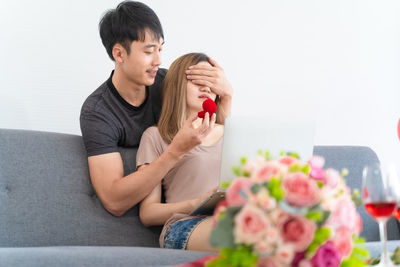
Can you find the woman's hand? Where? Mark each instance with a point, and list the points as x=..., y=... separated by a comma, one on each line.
x=197, y=201
x=189, y=137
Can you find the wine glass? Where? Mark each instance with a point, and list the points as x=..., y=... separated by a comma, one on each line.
x=396, y=212
x=380, y=199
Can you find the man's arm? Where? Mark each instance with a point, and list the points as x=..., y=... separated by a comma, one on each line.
x=118, y=193
x=213, y=77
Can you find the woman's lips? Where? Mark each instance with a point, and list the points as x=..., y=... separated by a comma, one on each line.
x=204, y=96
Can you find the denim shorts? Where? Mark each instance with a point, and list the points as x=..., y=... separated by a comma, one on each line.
x=177, y=235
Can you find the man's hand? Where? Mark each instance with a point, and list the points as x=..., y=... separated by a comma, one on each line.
x=189, y=137
x=211, y=76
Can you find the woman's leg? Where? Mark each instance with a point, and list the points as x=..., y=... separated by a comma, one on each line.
x=200, y=237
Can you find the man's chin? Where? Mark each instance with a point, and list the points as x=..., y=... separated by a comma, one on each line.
x=149, y=82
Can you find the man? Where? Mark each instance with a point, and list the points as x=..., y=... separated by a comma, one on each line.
x=118, y=112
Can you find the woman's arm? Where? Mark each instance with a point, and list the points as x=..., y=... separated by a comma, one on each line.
x=153, y=212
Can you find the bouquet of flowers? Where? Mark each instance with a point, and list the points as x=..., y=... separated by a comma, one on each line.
x=285, y=212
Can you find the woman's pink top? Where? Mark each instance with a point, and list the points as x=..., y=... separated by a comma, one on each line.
x=192, y=176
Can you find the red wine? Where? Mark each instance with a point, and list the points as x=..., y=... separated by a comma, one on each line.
x=380, y=210
x=396, y=213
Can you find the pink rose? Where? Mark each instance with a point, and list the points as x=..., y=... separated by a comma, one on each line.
x=298, y=257
x=358, y=228
x=221, y=207
x=300, y=190
x=318, y=174
x=332, y=177
x=288, y=160
x=263, y=247
x=251, y=224
x=305, y=263
x=263, y=200
x=235, y=195
x=269, y=262
x=266, y=171
x=317, y=161
x=344, y=214
x=299, y=231
x=251, y=165
x=300, y=260
x=326, y=256
x=272, y=234
x=343, y=241
x=285, y=253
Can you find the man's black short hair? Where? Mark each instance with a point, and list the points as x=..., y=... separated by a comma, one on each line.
x=127, y=23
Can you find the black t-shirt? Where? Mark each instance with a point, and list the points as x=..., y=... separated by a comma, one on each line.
x=108, y=121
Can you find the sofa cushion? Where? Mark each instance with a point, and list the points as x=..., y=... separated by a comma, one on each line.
x=47, y=198
x=95, y=256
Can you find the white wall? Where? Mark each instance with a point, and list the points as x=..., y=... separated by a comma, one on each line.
x=337, y=62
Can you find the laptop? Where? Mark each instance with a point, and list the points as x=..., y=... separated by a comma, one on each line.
x=244, y=136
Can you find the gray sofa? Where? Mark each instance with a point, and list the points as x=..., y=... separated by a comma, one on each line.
x=51, y=216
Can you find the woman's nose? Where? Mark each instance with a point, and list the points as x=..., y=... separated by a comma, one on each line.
x=205, y=89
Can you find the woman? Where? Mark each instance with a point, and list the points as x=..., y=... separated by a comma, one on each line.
x=195, y=175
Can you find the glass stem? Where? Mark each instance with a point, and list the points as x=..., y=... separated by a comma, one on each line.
x=382, y=232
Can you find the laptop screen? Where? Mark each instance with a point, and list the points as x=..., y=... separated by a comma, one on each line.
x=245, y=136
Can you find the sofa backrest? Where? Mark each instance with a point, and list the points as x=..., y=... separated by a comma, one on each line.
x=354, y=158
x=46, y=197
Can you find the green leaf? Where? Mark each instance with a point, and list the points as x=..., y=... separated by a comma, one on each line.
x=359, y=255
x=320, y=184
x=221, y=261
x=234, y=257
x=374, y=261
x=306, y=169
x=293, y=154
x=325, y=216
x=358, y=240
x=222, y=234
x=318, y=215
x=320, y=236
x=246, y=174
x=359, y=250
x=225, y=184
x=295, y=168
x=243, y=160
x=315, y=216
x=396, y=256
x=256, y=188
x=267, y=155
x=237, y=170
x=275, y=190
x=356, y=197
x=243, y=256
x=353, y=262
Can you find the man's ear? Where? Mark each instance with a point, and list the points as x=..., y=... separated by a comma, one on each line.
x=118, y=53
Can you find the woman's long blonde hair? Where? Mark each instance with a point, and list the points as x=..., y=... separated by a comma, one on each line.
x=174, y=109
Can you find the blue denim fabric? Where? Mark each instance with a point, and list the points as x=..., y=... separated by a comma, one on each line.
x=177, y=235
